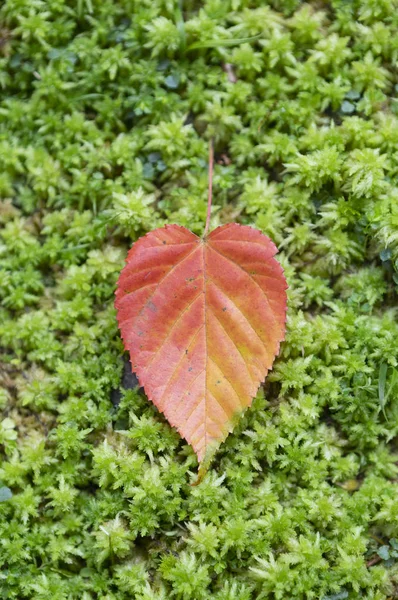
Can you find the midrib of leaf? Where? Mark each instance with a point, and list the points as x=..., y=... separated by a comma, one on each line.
x=206, y=344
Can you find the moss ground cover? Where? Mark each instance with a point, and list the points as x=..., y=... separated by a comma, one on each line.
x=106, y=109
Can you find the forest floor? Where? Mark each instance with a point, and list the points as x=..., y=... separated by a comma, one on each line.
x=106, y=110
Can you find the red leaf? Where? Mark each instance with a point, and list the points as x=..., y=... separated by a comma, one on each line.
x=203, y=320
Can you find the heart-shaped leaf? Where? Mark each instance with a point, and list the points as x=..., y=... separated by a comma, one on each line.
x=203, y=319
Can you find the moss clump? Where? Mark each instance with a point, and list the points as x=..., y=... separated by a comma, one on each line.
x=106, y=110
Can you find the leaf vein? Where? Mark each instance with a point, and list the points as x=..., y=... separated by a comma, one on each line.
x=226, y=379
x=186, y=391
x=179, y=263
x=238, y=309
x=186, y=309
x=253, y=280
x=179, y=363
x=233, y=343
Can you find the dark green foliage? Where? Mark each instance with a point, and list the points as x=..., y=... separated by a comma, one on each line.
x=106, y=111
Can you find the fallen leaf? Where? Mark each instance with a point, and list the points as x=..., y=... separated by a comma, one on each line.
x=203, y=319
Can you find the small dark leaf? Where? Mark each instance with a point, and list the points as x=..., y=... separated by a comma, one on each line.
x=394, y=543
x=163, y=64
x=172, y=81
x=385, y=254
x=347, y=107
x=5, y=494
x=384, y=552
x=154, y=157
x=353, y=95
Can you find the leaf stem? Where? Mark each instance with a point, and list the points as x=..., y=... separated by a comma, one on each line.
x=210, y=192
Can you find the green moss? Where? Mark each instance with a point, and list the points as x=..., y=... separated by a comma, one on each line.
x=106, y=111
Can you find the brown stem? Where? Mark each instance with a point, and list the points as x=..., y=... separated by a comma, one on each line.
x=210, y=192
x=373, y=561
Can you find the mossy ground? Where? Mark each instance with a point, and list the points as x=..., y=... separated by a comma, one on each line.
x=106, y=111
